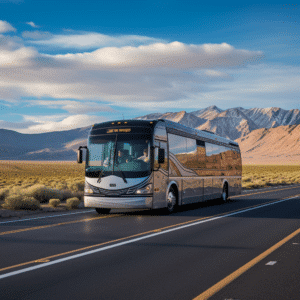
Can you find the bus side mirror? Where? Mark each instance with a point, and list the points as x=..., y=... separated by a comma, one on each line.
x=161, y=156
x=79, y=156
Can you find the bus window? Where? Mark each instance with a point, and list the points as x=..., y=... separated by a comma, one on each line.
x=177, y=148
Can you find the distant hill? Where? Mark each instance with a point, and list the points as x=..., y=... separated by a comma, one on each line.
x=271, y=146
x=247, y=126
x=59, y=145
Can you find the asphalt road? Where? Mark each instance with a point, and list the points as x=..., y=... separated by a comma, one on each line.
x=206, y=250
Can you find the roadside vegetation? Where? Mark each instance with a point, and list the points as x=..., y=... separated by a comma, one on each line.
x=257, y=176
x=32, y=185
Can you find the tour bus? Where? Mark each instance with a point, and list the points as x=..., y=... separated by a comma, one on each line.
x=150, y=164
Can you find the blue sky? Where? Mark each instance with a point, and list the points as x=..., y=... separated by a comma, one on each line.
x=68, y=64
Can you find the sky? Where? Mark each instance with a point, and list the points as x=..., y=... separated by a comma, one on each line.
x=69, y=64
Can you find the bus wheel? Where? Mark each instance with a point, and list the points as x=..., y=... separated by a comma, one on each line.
x=171, y=201
x=102, y=211
x=224, y=196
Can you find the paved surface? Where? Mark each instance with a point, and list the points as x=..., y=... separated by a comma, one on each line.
x=147, y=255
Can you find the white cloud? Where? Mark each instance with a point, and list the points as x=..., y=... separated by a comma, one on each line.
x=32, y=24
x=36, y=35
x=143, y=76
x=20, y=57
x=156, y=72
x=68, y=123
x=6, y=27
x=44, y=119
x=74, y=107
x=161, y=55
x=87, y=40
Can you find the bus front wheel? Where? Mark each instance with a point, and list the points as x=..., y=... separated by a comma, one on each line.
x=102, y=211
x=171, y=201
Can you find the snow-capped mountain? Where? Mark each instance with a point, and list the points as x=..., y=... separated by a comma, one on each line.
x=182, y=117
x=272, y=116
x=231, y=123
x=207, y=113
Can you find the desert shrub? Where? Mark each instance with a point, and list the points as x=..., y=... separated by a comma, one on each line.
x=54, y=202
x=3, y=194
x=73, y=203
x=78, y=194
x=42, y=193
x=30, y=203
x=77, y=186
x=21, y=202
x=65, y=194
x=13, y=202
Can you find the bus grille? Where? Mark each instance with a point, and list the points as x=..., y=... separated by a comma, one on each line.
x=126, y=191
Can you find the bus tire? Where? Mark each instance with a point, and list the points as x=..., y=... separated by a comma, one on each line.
x=224, y=196
x=171, y=201
x=102, y=211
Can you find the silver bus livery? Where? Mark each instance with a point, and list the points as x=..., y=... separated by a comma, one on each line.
x=149, y=164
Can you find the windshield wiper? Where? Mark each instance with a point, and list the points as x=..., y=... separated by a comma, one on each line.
x=101, y=174
x=123, y=175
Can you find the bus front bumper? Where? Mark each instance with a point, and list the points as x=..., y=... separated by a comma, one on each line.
x=109, y=202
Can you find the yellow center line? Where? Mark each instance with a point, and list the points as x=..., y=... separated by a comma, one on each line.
x=103, y=217
x=131, y=236
x=224, y=282
x=54, y=225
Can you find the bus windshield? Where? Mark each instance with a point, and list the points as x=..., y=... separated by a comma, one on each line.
x=113, y=153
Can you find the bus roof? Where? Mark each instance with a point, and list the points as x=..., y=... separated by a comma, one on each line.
x=170, y=125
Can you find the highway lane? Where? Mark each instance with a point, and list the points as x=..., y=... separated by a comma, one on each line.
x=175, y=265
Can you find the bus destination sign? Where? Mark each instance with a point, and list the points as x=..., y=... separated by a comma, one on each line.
x=118, y=130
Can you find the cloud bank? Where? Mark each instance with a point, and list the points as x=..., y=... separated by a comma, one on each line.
x=87, y=40
x=6, y=27
x=154, y=72
x=81, y=74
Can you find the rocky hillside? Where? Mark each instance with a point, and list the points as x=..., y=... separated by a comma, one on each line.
x=279, y=145
x=182, y=117
x=232, y=123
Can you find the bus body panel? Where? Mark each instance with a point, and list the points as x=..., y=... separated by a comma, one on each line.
x=198, y=163
x=118, y=202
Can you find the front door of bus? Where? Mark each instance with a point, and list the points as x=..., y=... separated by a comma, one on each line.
x=161, y=176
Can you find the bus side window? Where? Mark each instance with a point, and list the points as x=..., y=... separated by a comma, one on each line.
x=201, y=154
x=191, y=153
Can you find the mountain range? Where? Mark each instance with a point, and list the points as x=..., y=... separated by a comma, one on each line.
x=257, y=130
x=232, y=123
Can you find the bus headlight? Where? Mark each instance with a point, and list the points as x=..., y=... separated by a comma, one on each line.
x=145, y=190
x=88, y=191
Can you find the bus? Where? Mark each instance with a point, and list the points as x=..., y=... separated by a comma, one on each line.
x=152, y=164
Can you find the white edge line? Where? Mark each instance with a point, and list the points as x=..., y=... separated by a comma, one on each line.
x=81, y=212
x=132, y=241
x=75, y=213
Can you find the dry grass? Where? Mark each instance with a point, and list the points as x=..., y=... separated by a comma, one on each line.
x=256, y=176
x=63, y=180
x=41, y=180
